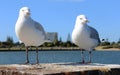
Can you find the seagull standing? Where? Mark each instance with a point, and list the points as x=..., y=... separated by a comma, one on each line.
x=84, y=36
x=30, y=32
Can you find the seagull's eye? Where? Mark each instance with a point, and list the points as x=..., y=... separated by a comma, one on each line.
x=80, y=18
x=23, y=10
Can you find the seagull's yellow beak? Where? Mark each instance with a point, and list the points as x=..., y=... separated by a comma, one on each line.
x=28, y=13
x=86, y=20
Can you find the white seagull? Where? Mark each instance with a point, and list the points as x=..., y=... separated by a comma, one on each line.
x=85, y=36
x=30, y=32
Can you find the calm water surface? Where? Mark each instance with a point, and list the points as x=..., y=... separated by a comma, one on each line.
x=19, y=57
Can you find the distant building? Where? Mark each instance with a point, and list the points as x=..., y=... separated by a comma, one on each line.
x=52, y=36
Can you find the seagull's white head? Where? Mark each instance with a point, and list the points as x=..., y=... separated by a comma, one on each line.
x=82, y=19
x=25, y=11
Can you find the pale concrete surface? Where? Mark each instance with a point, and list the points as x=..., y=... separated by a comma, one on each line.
x=43, y=69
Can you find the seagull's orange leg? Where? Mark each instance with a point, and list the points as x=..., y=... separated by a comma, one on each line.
x=27, y=60
x=37, y=60
x=82, y=54
x=90, y=55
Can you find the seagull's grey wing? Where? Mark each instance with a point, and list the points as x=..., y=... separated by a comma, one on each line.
x=94, y=34
x=39, y=27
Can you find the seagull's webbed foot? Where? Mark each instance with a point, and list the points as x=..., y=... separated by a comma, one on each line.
x=37, y=62
x=27, y=62
x=83, y=61
x=88, y=62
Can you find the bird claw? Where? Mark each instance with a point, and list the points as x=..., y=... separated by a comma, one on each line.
x=27, y=62
x=37, y=62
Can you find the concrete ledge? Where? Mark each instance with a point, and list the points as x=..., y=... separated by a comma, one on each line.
x=60, y=69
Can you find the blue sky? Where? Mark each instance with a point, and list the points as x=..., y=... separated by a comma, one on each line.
x=60, y=15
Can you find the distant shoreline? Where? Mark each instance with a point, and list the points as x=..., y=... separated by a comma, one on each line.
x=43, y=49
x=109, y=49
x=58, y=49
x=100, y=48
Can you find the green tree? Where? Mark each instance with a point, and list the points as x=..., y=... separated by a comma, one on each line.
x=60, y=42
x=56, y=42
x=68, y=38
x=68, y=43
x=118, y=41
x=0, y=44
x=105, y=42
x=9, y=41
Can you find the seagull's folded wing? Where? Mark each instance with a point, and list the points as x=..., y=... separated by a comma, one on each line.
x=94, y=34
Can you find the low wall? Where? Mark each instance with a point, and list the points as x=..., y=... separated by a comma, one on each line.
x=60, y=69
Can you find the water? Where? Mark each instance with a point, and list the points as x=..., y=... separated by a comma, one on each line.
x=19, y=57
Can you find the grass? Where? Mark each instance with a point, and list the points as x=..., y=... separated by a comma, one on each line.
x=56, y=48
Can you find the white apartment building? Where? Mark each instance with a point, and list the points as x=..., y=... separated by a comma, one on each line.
x=52, y=36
